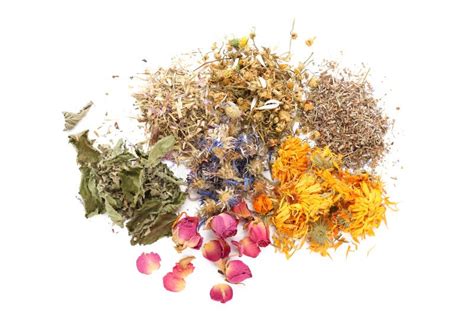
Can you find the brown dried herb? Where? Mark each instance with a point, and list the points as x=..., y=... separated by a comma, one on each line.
x=72, y=119
x=342, y=113
x=174, y=103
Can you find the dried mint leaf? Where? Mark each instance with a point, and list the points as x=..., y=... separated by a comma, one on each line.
x=131, y=186
x=86, y=153
x=72, y=119
x=162, y=146
x=93, y=203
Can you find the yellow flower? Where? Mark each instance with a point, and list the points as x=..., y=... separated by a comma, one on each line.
x=319, y=202
x=367, y=211
x=292, y=161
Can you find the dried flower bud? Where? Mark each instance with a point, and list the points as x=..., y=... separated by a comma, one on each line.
x=232, y=110
x=308, y=105
x=185, y=233
x=262, y=204
x=309, y=42
x=259, y=233
x=224, y=225
x=216, y=250
x=284, y=116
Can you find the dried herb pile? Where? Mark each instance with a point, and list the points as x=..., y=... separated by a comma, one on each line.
x=279, y=154
x=132, y=187
x=347, y=117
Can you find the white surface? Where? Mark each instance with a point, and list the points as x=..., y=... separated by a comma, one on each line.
x=62, y=272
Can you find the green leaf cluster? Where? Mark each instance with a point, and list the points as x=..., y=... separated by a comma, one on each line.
x=134, y=188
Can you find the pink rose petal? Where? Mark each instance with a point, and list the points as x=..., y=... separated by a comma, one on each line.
x=173, y=282
x=241, y=209
x=148, y=262
x=184, y=267
x=221, y=293
x=236, y=271
x=249, y=248
x=224, y=225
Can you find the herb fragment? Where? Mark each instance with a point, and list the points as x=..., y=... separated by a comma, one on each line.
x=72, y=119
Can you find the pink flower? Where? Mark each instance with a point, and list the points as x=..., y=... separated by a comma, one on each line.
x=259, y=233
x=175, y=281
x=185, y=233
x=241, y=209
x=184, y=267
x=215, y=250
x=148, y=262
x=221, y=293
x=224, y=225
x=236, y=272
x=247, y=247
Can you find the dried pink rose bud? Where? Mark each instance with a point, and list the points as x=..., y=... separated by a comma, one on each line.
x=236, y=272
x=185, y=233
x=247, y=247
x=259, y=233
x=215, y=250
x=221, y=293
x=224, y=225
x=173, y=282
x=148, y=262
x=241, y=209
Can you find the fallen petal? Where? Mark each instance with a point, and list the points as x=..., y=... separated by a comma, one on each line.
x=173, y=282
x=236, y=271
x=249, y=247
x=241, y=209
x=148, y=262
x=238, y=246
x=184, y=267
x=221, y=293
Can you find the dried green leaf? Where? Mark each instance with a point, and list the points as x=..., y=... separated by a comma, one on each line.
x=130, y=189
x=86, y=153
x=90, y=195
x=162, y=146
x=131, y=183
x=72, y=119
x=160, y=227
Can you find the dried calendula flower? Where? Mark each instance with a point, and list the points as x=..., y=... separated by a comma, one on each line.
x=292, y=161
x=262, y=204
x=323, y=202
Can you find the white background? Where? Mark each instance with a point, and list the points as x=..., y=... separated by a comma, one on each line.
x=62, y=272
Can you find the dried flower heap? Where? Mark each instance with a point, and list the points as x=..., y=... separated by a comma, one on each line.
x=322, y=203
x=232, y=119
